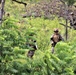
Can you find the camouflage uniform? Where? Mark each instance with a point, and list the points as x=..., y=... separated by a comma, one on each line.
x=72, y=20
x=56, y=37
x=32, y=47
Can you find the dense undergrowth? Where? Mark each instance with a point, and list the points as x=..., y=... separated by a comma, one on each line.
x=13, y=51
x=14, y=32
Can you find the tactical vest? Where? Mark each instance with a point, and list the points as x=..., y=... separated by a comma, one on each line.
x=56, y=37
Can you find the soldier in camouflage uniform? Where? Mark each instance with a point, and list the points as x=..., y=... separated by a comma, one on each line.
x=56, y=37
x=72, y=20
x=32, y=46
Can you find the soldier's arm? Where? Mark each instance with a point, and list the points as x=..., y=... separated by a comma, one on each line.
x=74, y=22
x=61, y=38
x=51, y=38
x=71, y=23
x=71, y=20
x=36, y=47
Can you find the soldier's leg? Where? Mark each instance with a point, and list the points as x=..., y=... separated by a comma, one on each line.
x=52, y=50
x=33, y=51
x=53, y=45
x=74, y=26
x=30, y=53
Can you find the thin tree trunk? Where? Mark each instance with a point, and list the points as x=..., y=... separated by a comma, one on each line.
x=2, y=10
x=66, y=18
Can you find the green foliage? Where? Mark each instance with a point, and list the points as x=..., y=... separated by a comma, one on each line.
x=14, y=34
x=70, y=2
x=13, y=57
x=65, y=52
x=12, y=44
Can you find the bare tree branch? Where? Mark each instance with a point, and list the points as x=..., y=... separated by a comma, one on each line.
x=62, y=1
x=20, y=2
x=65, y=25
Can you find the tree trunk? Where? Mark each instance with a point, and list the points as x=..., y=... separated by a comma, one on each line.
x=2, y=10
x=66, y=18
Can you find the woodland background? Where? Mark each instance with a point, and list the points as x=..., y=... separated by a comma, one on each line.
x=23, y=17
